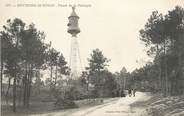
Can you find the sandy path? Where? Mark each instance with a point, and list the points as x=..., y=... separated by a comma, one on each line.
x=120, y=107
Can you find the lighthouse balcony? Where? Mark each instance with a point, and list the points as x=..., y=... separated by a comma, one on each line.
x=73, y=30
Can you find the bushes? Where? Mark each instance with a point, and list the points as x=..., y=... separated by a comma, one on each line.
x=65, y=103
x=76, y=93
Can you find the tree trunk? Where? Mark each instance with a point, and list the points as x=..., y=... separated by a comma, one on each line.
x=55, y=77
x=7, y=92
x=160, y=78
x=51, y=69
x=1, y=58
x=29, y=83
x=160, y=83
x=179, y=79
x=87, y=85
x=51, y=72
x=29, y=80
x=1, y=74
x=20, y=93
x=14, y=94
x=165, y=71
x=25, y=84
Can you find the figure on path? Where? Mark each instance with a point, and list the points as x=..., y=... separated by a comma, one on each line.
x=133, y=91
x=130, y=92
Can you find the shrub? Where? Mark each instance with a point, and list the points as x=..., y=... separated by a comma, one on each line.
x=65, y=103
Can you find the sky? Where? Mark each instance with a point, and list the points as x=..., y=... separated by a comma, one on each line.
x=110, y=25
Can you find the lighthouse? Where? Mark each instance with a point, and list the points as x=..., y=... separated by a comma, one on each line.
x=75, y=60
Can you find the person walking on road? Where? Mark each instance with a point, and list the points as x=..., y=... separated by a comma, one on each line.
x=130, y=92
x=133, y=92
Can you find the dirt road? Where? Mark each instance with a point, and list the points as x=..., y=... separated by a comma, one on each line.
x=120, y=107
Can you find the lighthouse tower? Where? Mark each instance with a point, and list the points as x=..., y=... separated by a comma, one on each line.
x=73, y=29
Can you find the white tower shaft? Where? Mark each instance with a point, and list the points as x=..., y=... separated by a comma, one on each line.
x=75, y=61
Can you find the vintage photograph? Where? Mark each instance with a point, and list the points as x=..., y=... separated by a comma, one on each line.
x=92, y=57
